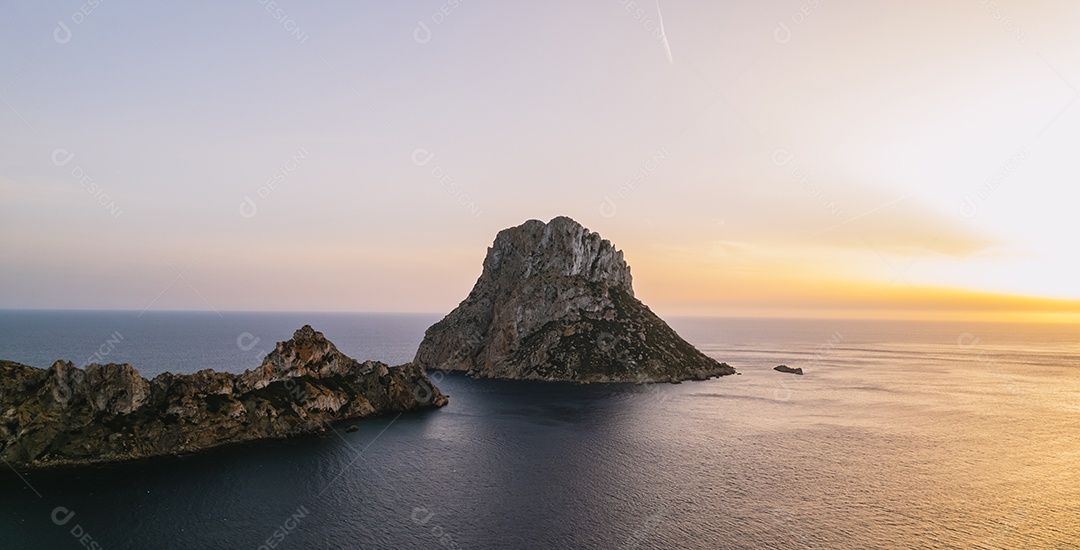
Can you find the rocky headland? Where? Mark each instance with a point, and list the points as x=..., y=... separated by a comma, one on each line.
x=555, y=301
x=64, y=415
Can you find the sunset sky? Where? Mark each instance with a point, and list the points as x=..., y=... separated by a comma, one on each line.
x=837, y=158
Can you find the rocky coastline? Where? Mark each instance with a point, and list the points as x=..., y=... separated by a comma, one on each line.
x=64, y=415
x=555, y=302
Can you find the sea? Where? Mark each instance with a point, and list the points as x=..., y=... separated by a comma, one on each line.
x=898, y=435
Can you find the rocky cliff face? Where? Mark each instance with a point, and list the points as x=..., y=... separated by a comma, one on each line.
x=555, y=302
x=65, y=415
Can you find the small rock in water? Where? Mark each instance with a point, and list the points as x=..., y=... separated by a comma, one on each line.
x=787, y=369
x=351, y=429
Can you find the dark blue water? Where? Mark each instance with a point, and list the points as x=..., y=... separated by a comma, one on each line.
x=900, y=435
x=185, y=342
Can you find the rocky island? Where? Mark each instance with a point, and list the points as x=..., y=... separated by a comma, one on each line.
x=106, y=413
x=555, y=301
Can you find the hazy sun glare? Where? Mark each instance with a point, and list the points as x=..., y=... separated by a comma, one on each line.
x=815, y=159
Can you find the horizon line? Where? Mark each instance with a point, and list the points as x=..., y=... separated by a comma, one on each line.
x=1024, y=318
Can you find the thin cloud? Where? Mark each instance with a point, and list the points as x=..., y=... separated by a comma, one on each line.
x=663, y=34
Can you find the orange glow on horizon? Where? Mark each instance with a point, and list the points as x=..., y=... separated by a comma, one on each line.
x=767, y=291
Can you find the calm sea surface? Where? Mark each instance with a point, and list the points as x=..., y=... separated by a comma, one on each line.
x=899, y=435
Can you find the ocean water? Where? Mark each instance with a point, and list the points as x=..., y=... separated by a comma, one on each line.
x=900, y=435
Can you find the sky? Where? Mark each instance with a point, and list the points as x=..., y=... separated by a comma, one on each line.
x=812, y=158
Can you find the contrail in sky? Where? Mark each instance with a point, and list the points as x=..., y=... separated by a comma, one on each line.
x=663, y=35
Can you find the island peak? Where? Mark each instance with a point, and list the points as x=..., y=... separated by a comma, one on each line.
x=556, y=301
